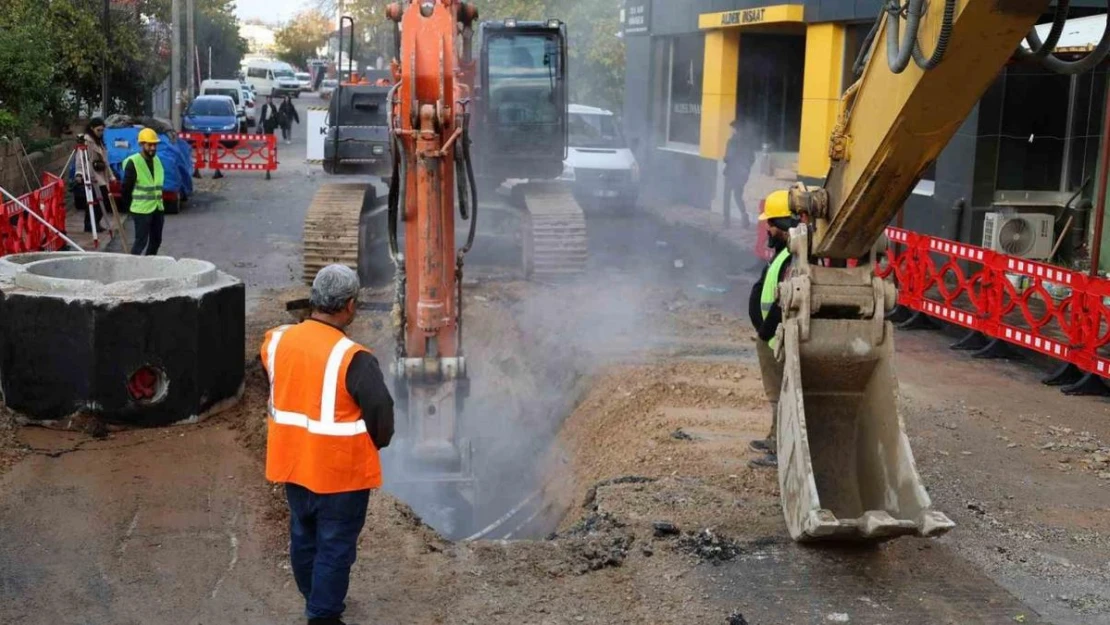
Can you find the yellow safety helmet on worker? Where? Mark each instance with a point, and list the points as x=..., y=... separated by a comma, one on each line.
x=776, y=205
x=147, y=135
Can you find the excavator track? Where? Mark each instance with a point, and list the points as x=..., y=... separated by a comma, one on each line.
x=331, y=227
x=555, y=242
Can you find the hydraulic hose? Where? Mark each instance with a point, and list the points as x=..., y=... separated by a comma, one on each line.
x=899, y=48
x=473, y=188
x=1091, y=60
x=1037, y=49
x=397, y=185
x=942, y=39
x=865, y=50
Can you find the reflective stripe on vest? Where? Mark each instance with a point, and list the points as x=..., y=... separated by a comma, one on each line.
x=770, y=286
x=147, y=196
x=326, y=425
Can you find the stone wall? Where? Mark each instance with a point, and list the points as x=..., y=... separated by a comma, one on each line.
x=11, y=156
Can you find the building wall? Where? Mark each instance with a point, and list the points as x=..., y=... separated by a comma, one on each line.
x=964, y=174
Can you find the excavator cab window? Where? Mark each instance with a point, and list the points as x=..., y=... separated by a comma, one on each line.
x=524, y=101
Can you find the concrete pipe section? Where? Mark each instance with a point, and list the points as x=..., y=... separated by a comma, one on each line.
x=133, y=340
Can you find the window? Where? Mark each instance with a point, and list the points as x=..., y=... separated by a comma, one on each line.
x=234, y=94
x=211, y=108
x=256, y=72
x=686, y=68
x=1034, y=129
x=595, y=131
x=524, y=92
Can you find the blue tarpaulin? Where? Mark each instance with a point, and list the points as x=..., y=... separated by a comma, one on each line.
x=177, y=158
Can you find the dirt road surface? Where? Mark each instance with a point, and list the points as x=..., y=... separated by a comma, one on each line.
x=629, y=410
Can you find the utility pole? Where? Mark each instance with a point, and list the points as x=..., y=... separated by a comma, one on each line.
x=191, y=39
x=175, y=70
x=104, y=58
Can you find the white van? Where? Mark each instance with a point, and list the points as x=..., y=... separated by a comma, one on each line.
x=272, y=78
x=599, y=166
x=233, y=90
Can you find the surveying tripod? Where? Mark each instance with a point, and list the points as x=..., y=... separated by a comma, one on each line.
x=93, y=195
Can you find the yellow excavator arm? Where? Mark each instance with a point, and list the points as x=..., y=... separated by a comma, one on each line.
x=846, y=470
x=894, y=124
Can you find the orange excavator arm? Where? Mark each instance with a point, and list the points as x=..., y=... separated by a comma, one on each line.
x=428, y=124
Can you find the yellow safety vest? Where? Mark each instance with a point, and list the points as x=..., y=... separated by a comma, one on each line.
x=147, y=197
x=770, y=285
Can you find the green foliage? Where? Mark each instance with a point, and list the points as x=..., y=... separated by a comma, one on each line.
x=53, y=55
x=298, y=41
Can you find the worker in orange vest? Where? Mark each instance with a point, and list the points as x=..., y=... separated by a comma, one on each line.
x=330, y=413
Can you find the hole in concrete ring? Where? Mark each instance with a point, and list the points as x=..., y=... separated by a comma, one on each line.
x=147, y=385
x=431, y=409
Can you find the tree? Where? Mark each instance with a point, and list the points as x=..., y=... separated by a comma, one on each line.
x=299, y=40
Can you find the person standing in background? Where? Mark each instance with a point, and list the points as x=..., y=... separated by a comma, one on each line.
x=143, y=182
x=287, y=114
x=102, y=174
x=739, y=158
x=268, y=119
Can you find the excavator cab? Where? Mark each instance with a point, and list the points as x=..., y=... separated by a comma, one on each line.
x=522, y=101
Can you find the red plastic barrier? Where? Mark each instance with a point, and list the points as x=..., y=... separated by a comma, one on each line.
x=233, y=152
x=761, y=234
x=199, y=144
x=21, y=233
x=1056, y=312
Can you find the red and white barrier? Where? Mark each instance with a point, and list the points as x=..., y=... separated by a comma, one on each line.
x=1057, y=312
x=21, y=233
x=233, y=152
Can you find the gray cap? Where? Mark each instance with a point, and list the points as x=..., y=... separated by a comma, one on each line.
x=334, y=286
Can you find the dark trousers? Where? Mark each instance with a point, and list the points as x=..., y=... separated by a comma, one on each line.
x=148, y=233
x=286, y=132
x=323, y=545
x=80, y=202
x=734, y=192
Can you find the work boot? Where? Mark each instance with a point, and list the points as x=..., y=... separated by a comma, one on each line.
x=331, y=620
x=770, y=461
x=763, y=446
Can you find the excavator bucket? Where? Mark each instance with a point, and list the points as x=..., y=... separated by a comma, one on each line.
x=846, y=470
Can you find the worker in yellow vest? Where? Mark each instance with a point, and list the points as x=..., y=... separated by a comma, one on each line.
x=766, y=315
x=330, y=414
x=143, y=180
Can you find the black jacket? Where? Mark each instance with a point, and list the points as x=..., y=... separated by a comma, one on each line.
x=287, y=114
x=268, y=118
x=739, y=157
x=766, y=328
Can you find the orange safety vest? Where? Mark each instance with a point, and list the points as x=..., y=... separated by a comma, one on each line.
x=316, y=436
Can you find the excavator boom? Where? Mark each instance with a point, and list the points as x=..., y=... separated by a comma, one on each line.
x=846, y=470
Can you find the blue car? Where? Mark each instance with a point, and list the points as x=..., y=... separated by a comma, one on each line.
x=211, y=113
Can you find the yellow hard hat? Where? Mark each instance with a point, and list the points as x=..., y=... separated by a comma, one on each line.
x=146, y=135
x=776, y=205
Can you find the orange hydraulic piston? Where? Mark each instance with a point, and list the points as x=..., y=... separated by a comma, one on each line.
x=426, y=104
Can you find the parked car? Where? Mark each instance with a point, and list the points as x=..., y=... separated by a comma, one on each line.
x=231, y=89
x=211, y=113
x=248, y=105
x=305, y=79
x=328, y=87
x=600, y=167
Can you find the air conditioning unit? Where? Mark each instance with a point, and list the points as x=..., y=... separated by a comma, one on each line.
x=1027, y=235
